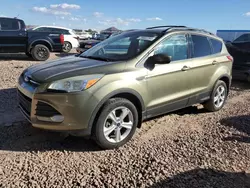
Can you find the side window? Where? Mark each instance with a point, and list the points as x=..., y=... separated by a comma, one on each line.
x=176, y=47
x=217, y=46
x=41, y=29
x=243, y=38
x=201, y=46
x=65, y=32
x=9, y=25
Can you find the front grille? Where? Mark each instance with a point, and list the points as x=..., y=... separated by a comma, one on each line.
x=24, y=102
x=45, y=110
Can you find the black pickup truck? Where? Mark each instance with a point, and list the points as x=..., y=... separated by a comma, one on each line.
x=14, y=38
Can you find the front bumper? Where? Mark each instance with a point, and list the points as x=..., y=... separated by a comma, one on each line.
x=39, y=107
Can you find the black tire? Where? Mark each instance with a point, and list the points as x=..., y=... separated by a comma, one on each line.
x=40, y=52
x=210, y=105
x=67, y=47
x=28, y=54
x=98, y=129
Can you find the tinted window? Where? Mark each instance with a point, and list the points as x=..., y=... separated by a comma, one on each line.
x=243, y=38
x=217, y=46
x=8, y=25
x=201, y=46
x=41, y=29
x=176, y=47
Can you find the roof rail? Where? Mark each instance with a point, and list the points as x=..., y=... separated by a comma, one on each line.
x=180, y=27
x=169, y=26
x=190, y=29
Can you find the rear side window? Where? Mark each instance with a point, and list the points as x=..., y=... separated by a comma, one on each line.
x=65, y=32
x=217, y=46
x=201, y=46
x=243, y=38
x=9, y=25
x=42, y=29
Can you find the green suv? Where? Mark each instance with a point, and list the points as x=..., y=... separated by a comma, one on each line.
x=109, y=90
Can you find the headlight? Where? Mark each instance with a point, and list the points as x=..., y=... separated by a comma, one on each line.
x=75, y=84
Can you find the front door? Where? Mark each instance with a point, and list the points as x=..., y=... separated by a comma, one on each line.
x=12, y=37
x=168, y=85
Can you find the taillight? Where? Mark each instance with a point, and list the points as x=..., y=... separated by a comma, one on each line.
x=62, y=39
x=230, y=58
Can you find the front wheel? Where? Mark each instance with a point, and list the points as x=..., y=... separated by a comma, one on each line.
x=40, y=52
x=116, y=123
x=218, y=97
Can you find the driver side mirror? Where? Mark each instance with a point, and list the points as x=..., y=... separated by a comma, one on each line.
x=157, y=59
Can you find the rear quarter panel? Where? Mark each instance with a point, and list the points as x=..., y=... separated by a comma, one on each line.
x=52, y=39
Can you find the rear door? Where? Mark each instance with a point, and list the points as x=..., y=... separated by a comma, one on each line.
x=206, y=57
x=13, y=36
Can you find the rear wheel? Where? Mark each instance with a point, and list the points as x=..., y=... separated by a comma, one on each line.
x=116, y=124
x=218, y=97
x=67, y=47
x=40, y=52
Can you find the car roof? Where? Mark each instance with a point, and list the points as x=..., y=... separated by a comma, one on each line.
x=11, y=18
x=54, y=27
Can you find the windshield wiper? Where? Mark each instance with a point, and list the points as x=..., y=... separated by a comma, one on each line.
x=98, y=58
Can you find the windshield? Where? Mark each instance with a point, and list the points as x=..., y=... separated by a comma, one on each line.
x=122, y=47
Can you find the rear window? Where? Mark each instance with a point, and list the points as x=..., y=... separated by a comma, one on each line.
x=201, y=46
x=9, y=25
x=217, y=46
x=53, y=30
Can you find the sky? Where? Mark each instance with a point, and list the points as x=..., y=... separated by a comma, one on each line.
x=131, y=14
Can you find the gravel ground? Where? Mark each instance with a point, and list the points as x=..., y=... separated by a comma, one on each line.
x=187, y=148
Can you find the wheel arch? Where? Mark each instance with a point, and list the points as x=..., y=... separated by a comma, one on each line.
x=42, y=42
x=129, y=94
x=225, y=78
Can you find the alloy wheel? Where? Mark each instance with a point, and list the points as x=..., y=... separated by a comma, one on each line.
x=219, y=96
x=118, y=124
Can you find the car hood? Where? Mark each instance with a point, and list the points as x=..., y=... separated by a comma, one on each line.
x=69, y=67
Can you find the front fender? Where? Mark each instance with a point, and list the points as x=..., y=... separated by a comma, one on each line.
x=134, y=87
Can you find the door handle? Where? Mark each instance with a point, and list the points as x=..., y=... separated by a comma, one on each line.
x=185, y=68
x=215, y=62
x=20, y=34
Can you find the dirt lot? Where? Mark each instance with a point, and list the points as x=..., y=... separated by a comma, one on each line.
x=188, y=148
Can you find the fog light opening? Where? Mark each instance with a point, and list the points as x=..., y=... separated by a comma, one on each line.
x=55, y=119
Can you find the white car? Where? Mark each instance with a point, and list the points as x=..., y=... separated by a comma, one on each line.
x=71, y=40
x=84, y=35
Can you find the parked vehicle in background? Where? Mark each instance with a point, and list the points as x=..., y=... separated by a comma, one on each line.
x=84, y=35
x=87, y=44
x=96, y=36
x=14, y=38
x=107, y=91
x=238, y=45
x=71, y=40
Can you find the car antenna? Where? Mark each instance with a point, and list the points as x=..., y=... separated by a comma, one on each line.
x=16, y=16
